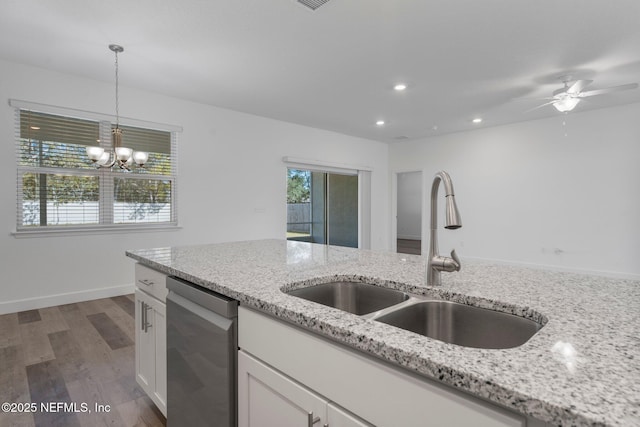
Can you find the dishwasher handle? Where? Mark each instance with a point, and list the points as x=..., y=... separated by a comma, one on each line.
x=215, y=319
x=213, y=301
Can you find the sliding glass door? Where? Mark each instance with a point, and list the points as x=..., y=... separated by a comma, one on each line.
x=342, y=210
x=322, y=207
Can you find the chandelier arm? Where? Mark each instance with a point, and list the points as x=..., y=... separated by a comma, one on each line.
x=123, y=165
x=110, y=164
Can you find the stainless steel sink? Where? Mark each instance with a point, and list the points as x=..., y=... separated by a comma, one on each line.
x=356, y=298
x=462, y=324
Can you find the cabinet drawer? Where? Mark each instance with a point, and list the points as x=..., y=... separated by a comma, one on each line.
x=151, y=281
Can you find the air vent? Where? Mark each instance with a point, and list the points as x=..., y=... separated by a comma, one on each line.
x=313, y=4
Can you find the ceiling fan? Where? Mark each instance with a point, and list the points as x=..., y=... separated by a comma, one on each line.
x=565, y=99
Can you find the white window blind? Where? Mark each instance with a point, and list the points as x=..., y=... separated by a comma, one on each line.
x=58, y=187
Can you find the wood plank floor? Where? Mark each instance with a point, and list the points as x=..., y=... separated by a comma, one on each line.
x=74, y=355
x=407, y=246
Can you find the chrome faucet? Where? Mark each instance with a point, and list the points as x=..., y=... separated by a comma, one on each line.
x=437, y=263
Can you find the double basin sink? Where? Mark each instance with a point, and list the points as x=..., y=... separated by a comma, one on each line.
x=446, y=321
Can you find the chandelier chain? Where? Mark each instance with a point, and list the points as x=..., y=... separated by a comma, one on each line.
x=117, y=98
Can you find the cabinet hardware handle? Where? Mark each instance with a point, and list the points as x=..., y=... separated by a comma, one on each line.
x=145, y=282
x=142, y=311
x=147, y=325
x=311, y=420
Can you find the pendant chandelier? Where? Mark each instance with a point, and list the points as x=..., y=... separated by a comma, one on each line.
x=118, y=155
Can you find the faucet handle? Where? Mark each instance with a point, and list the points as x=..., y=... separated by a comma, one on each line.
x=443, y=263
x=456, y=260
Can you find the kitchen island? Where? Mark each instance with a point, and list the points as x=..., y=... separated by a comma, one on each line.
x=581, y=368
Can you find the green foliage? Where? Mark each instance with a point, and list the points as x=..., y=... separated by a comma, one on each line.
x=142, y=191
x=62, y=188
x=147, y=196
x=298, y=186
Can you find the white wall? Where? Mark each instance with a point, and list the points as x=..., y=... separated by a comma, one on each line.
x=232, y=185
x=540, y=192
x=409, y=205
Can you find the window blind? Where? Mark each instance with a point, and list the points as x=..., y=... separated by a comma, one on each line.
x=52, y=141
x=59, y=187
x=149, y=140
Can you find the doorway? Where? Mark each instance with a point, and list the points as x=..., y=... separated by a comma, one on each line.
x=409, y=213
x=322, y=207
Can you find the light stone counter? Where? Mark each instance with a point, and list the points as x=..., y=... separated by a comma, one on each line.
x=581, y=368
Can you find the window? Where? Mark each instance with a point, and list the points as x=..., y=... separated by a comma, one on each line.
x=58, y=187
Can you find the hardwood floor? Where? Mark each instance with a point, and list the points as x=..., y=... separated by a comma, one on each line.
x=67, y=360
x=407, y=246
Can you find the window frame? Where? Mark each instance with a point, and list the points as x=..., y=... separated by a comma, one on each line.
x=106, y=177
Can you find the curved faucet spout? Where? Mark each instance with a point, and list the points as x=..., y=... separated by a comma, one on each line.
x=437, y=263
x=452, y=216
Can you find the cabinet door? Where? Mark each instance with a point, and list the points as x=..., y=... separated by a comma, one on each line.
x=151, y=348
x=338, y=417
x=145, y=344
x=268, y=398
x=160, y=337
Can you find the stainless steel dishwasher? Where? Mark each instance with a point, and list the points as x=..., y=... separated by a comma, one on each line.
x=202, y=354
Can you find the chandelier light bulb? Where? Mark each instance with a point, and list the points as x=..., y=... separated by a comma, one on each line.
x=123, y=153
x=94, y=153
x=140, y=157
x=104, y=158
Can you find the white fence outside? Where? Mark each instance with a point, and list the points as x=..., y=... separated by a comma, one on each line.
x=89, y=213
x=299, y=217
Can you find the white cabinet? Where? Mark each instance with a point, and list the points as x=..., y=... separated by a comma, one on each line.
x=382, y=394
x=266, y=397
x=340, y=417
x=151, y=335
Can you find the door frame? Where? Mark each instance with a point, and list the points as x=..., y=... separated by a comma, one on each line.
x=364, y=189
x=394, y=209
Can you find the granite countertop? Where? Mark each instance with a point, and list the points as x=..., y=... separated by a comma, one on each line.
x=581, y=368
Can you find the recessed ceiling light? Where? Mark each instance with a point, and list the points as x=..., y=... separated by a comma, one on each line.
x=400, y=87
x=380, y=123
x=477, y=120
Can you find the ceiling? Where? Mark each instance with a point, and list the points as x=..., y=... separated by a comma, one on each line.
x=334, y=68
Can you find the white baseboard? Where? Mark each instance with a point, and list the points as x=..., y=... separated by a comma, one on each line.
x=68, y=298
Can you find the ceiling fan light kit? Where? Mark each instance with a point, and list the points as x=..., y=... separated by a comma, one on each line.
x=566, y=103
x=567, y=98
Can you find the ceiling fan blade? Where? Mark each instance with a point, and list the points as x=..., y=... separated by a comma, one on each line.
x=543, y=105
x=608, y=90
x=578, y=86
x=535, y=99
